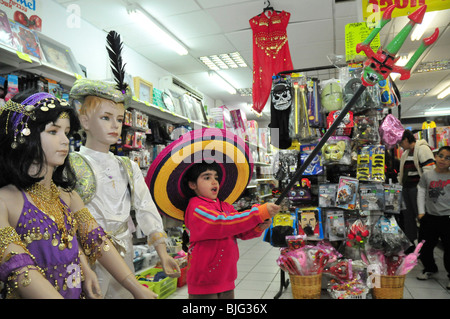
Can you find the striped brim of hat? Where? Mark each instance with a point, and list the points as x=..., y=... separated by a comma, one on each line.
x=165, y=175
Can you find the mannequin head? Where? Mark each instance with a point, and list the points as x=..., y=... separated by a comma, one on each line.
x=102, y=121
x=35, y=130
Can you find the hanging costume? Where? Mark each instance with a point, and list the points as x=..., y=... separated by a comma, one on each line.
x=270, y=53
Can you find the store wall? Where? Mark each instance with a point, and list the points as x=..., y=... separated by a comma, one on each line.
x=88, y=45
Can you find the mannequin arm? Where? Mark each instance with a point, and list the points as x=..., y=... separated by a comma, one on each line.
x=170, y=266
x=91, y=287
x=98, y=247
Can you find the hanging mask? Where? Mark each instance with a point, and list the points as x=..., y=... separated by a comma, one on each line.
x=331, y=97
x=281, y=96
x=333, y=152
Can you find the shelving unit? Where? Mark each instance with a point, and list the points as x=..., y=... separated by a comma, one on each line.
x=12, y=60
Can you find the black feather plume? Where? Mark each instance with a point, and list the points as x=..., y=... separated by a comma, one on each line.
x=115, y=56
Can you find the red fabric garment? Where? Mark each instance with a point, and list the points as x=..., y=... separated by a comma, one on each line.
x=270, y=53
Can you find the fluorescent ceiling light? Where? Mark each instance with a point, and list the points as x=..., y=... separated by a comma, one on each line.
x=420, y=29
x=444, y=93
x=438, y=112
x=221, y=82
x=224, y=61
x=155, y=29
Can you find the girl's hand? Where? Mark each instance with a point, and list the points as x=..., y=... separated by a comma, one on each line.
x=273, y=209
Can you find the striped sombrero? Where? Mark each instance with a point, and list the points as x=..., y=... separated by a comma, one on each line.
x=165, y=175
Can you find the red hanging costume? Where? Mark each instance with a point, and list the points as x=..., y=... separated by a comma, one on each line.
x=270, y=53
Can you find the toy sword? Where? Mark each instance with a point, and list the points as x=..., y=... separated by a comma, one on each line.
x=377, y=67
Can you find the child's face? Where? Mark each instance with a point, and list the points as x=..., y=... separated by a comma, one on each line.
x=443, y=159
x=207, y=185
x=103, y=125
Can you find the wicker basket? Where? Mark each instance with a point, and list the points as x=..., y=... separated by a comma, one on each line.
x=391, y=287
x=306, y=287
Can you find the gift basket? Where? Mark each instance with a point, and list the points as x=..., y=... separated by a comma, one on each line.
x=389, y=264
x=304, y=266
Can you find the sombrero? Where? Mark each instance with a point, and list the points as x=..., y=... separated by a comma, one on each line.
x=165, y=175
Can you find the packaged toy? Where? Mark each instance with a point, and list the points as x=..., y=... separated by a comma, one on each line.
x=347, y=193
x=315, y=167
x=345, y=127
x=327, y=194
x=310, y=222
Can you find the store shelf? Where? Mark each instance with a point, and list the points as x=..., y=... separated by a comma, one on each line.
x=163, y=114
x=12, y=60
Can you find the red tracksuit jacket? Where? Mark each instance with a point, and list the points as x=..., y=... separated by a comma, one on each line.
x=213, y=227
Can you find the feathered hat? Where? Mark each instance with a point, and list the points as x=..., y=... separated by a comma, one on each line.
x=118, y=92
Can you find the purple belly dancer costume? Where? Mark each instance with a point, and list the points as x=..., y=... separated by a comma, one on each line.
x=55, y=252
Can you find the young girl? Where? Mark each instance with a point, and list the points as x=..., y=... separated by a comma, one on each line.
x=213, y=227
x=47, y=236
x=433, y=203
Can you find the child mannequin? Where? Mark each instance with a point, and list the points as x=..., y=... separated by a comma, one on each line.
x=433, y=202
x=110, y=185
x=213, y=227
x=118, y=182
x=46, y=233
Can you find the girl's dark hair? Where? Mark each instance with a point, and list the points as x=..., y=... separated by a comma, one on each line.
x=15, y=163
x=194, y=172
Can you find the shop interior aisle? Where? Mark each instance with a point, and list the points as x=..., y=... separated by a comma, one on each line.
x=259, y=276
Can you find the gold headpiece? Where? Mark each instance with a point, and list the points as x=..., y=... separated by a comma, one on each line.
x=20, y=113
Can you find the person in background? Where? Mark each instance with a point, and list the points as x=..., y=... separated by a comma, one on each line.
x=433, y=203
x=416, y=158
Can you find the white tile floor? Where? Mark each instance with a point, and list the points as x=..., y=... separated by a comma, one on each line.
x=259, y=276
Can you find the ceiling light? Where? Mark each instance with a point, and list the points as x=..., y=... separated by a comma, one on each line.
x=224, y=61
x=432, y=66
x=444, y=93
x=420, y=29
x=438, y=112
x=245, y=91
x=221, y=82
x=156, y=30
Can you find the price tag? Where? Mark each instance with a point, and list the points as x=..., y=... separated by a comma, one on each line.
x=356, y=33
x=24, y=56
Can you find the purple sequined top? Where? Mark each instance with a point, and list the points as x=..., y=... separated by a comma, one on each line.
x=42, y=236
